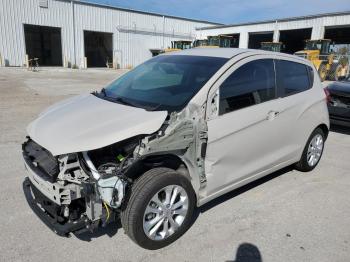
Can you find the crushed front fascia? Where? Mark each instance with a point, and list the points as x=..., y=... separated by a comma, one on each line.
x=184, y=136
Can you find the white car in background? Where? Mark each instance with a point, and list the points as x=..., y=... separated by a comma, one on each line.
x=172, y=134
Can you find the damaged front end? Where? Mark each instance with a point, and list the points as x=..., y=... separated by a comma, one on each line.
x=80, y=191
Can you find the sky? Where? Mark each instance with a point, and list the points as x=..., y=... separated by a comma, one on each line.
x=233, y=11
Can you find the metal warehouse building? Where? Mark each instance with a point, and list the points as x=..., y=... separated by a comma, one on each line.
x=73, y=33
x=68, y=33
x=292, y=32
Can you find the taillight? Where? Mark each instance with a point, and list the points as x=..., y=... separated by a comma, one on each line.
x=328, y=95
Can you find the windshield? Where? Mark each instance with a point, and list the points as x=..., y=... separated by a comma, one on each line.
x=165, y=82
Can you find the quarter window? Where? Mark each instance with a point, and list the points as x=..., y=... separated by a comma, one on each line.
x=251, y=84
x=293, y=77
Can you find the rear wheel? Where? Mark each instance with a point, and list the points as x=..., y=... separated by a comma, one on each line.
x=159, y=209
x=312, y=152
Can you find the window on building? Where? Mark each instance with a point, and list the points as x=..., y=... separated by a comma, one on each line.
x=43, y=3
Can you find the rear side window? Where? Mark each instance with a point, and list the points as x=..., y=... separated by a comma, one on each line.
x=252, y=83
x=292, y=77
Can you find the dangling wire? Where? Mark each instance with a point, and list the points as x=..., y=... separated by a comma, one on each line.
x=107, y=210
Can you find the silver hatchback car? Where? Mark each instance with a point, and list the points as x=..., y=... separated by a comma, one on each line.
x=170, y=135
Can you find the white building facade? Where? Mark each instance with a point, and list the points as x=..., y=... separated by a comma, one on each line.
x=133, y=33
x=332, y=25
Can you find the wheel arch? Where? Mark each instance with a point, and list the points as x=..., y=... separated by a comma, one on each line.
x=148, y=162
x=324, y=128
x=168, y=160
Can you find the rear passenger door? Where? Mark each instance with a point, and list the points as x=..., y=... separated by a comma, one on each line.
x=294, y=82
x=245, y=136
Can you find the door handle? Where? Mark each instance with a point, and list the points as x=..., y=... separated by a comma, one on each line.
x=271, y=115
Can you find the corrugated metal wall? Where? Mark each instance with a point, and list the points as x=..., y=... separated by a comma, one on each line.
x=15, y=13
x=130, y=47
x=318, y=25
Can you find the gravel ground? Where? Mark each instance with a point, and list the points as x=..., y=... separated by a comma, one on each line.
x=287, y=216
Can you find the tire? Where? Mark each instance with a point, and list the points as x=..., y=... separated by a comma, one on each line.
x=134, y=215
x=304, y=165
x=322, y=71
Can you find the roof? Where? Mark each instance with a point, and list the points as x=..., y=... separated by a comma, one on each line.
x=212, y=51
x=230, y=52
x=277, y=20
x=87, y=2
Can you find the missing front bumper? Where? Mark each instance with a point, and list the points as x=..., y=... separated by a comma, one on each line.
x=37, y=201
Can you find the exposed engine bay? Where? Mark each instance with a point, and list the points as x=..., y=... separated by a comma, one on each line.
x=84, y=190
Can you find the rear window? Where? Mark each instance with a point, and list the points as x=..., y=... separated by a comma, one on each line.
x=292, y=77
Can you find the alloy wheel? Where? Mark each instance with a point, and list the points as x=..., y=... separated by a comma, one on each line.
x=165, y=212
x=315, y=150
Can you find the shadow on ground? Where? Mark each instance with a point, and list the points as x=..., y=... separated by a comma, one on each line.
x=243, y=189
x=109, y=230
x=215, y=202
x=112, y=228
x=340, y=129
x=247, y=252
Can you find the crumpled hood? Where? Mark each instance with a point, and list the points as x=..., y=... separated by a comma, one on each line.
x=87, y=122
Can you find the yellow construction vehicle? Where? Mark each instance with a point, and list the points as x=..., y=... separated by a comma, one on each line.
x=215, y=41
x=175, y=46
x=200, y=43
x=179, y=45
x=271, y=46
x=318, y=52
x=221, y=41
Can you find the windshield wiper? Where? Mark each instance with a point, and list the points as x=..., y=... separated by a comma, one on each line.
x=123, y=101
x=114, y=99
x=128, y=103
x=98, y=93
x=103, y=91
x=154, y=108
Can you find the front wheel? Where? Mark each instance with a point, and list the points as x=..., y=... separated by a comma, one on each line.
x=312, y=152
x=159, y=209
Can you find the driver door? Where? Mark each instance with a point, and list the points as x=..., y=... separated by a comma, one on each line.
x=244, y=131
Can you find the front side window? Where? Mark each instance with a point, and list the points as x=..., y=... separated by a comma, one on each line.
x=251, y=84
x=165, y=82
x=293, y=77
